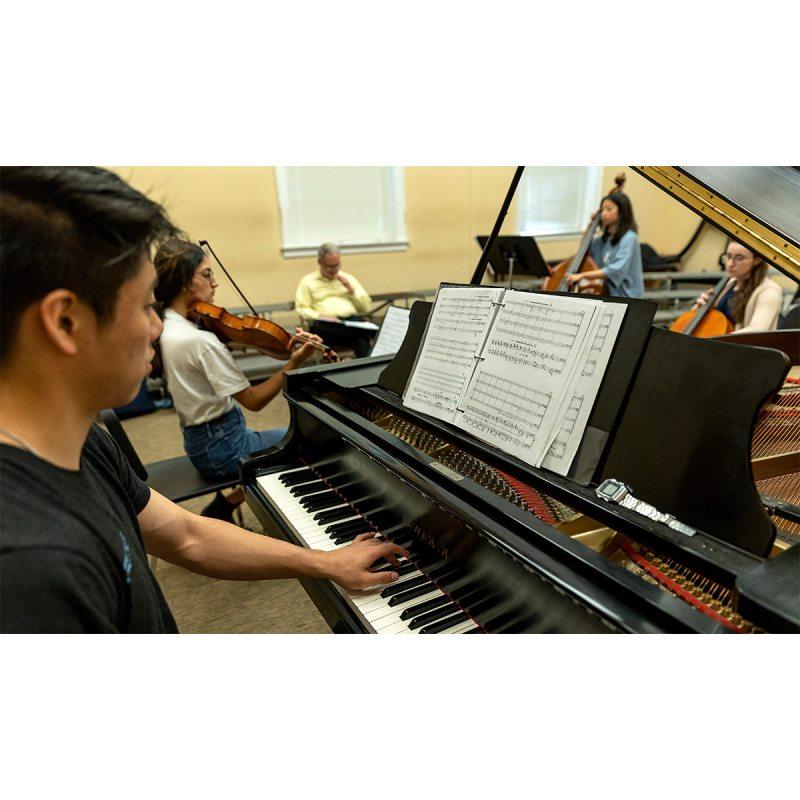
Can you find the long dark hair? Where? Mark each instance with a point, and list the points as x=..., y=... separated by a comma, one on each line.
x=175, y=263
x=625, y=220
x=746, y=286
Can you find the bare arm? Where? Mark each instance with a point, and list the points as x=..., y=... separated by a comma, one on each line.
x=254, y=398
x=579, y=276
x=221, y=550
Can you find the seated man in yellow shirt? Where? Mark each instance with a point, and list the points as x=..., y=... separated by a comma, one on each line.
x=328, y=296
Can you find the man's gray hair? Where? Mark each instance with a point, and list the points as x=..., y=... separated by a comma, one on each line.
x=327, y=249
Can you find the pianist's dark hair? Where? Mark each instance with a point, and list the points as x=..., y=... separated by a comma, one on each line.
x=78, y=228
x=625, y=221
x=176, y=262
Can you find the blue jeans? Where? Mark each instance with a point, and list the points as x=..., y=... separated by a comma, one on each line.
x=215, y=447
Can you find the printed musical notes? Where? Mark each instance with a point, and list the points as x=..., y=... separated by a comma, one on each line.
x=518, y=370
x=455, y=335
x=565, y=445
x=392, y=332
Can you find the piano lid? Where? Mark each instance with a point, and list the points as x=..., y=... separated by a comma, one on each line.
x=758, y=206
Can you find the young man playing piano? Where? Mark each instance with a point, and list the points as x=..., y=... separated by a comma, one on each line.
x=76, y=309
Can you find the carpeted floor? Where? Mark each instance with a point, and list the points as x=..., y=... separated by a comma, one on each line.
x=205, y=605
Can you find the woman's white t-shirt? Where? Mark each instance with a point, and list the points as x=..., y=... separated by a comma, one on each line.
x=200, y=371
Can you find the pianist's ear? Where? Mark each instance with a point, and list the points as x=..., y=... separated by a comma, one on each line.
x=61, y=316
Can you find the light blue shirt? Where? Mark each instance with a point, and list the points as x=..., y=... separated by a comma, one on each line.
x=622, y=264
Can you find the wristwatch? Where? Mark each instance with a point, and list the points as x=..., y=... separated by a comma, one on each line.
x=613, y=491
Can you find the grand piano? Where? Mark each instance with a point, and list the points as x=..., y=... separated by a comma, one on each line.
x=497, y=546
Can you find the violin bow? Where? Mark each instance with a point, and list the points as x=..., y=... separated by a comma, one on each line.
x=228, y=276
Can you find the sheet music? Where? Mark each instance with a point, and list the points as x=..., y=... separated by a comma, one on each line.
x=454, y=337
x=565, y=444
x=528, y=363
x=392, y=332
x=355, y=323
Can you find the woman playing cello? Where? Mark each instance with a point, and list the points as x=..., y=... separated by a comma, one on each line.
x=206, y=385
x=751, y=300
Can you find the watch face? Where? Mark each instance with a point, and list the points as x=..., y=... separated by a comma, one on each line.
x=609, y=489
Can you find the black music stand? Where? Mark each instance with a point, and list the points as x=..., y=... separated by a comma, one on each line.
x=519, y=254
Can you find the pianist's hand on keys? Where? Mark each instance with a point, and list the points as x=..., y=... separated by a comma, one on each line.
x=350, y=566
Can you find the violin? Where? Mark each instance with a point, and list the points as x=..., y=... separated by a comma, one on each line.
x=581, y=261
x=263, y=334
x=705, y=322
x=251, y=331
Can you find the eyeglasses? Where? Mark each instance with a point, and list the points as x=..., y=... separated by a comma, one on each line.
x=739, y=258
x=208, y=274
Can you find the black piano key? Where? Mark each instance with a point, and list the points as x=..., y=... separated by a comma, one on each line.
x=348, y=526
x=447, y=574
x=410, y=594
x=445, y=624
x=430, y=562
x=424, y=606
x=499, y=621
x=348, y=537
x=335, y=514
x=321, y=501
x=404, y=537
x=465, y=591
x=403, y=569
x=308, y=488
x=293, y=478
x=474, y=630
x=411, y=583
x=433, y=616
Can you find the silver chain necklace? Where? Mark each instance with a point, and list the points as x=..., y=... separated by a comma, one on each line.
x=21, y=442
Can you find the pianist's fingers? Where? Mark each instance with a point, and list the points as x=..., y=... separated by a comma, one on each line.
x=376, y=538
x=352, y=564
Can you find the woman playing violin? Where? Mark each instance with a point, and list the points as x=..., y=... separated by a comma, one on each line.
x=617, y=252
x=206, y=385
x=751, y=301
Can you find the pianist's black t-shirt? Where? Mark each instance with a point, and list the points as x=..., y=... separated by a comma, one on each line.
x=71, y=553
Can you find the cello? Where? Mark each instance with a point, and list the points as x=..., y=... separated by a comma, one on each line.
x=706, y=321
x=251, y=331
x=581, y=261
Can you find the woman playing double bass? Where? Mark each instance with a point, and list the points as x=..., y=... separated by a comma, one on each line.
x=616, y=252
x=206, y=385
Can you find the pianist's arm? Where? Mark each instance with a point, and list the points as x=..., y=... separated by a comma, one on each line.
x=220, y=550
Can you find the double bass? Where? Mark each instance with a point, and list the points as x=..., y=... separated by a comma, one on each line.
x=705, y=322
x=581, y=261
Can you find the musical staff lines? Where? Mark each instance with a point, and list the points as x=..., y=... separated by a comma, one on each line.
x=558, y=448
x=505, y=409
x=455, y=335
x=437, y=389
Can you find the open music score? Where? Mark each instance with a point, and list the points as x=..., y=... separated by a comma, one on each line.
x=456, y=332
x=518, y=370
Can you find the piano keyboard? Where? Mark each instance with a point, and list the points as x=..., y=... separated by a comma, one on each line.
x=320, y=519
